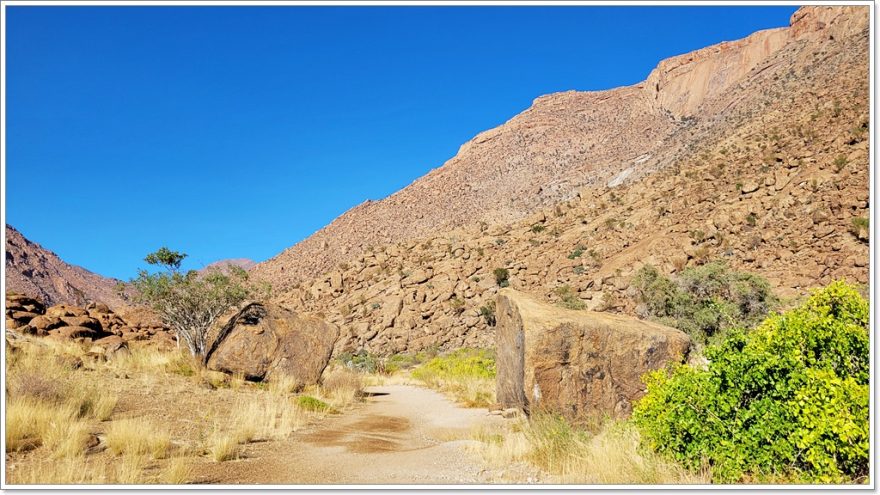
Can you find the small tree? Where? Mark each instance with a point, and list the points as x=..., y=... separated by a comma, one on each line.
x=191, y=302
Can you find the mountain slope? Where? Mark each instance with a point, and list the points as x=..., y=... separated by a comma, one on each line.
x=754, y=152
x=38, y=272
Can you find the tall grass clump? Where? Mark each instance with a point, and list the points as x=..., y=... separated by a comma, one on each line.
x=467, y=374
x=785, y=401
x=137, y=436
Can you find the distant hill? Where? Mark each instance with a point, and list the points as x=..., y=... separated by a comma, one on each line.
x=244, y=263
x=37, y=272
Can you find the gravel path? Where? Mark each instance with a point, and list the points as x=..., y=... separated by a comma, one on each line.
x=402, y=434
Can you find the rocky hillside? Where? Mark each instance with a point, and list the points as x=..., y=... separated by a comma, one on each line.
x=33, y=270
x=566, y=141
x=754, y=152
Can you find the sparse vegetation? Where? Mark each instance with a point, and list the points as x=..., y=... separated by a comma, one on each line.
x=502, y=277
x=190, y=303
x=788, y=400
x=568, y=298
x=859, y=227
x=705, y=301
x=487, y=311
x=466, y=374
x=538, y=228
x=578, y=251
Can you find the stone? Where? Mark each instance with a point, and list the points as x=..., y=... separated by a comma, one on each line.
x=65, y=310
x=580, y=364
x=44, y=322
x=82, y=321
x=264, y=340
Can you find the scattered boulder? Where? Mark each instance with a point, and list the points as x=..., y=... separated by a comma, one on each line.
x=577, y=363
x=263, y=340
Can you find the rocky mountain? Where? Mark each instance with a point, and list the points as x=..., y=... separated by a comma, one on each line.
x=243, y=263
x=566, y=141
x=37, y=272
x=754, y=152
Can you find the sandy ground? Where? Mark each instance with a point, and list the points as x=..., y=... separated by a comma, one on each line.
x=402, y=434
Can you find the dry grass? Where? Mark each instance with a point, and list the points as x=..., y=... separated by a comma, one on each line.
x=266, y=416
x=613, y=455
x=137, y=436
x=224, y=446
x=342, y=388
x=177, y=472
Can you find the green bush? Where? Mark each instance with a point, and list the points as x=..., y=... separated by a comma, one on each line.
x=706, y=301
x=467, y=363
x=788, y=400
x=488, y=313
x=361, y=361
x=309, y=403
x=502, y=277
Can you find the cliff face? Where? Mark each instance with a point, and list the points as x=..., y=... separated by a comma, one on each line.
x=38, y=272
x=566, y=141
x=753, y=152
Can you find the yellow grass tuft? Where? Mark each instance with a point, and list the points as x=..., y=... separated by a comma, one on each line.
x=177, y=472
x=225, y=446
x=573, y=455
x=341, y=388
x=137, y=436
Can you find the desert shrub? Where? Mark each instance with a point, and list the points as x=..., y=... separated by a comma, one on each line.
x=309, y=403
x=488, y=313
x=467, y=374
x=706, y=301
x=568, y=298
x=502, y=277
x=361, y=361
x=538, y=228
x=859, y=227
x=137, y=436
x=577, y=253
x=787, y=400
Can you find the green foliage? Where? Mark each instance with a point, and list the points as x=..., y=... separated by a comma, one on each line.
x=309, y=403
x=787, y=400
x=502, y=277
x=488, y=313
x=538, y=228
x=361, y=361
x=461, y=363
x=578, y=251
x=568, y=298
x=166, y=258
x=706, y=301
x=190, y=302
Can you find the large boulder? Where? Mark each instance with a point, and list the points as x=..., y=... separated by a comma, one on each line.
x=265, y=340
x=580, y=364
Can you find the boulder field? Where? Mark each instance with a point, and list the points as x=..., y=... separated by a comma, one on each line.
x=576, y=363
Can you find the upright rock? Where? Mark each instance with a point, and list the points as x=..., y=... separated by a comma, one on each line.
x=264, y=340
x=576, y=363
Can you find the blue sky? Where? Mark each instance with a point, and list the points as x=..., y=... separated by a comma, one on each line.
x=229, y=132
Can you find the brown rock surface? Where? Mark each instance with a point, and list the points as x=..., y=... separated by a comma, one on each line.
x=32, y=269
x=401, y=277
x=576, y=363
x=265, y=340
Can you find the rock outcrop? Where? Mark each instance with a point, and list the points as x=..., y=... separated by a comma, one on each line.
x=34, y=270
x=570, y=140
x=95, y=323
x=770, y=176
x=265, y=340
x=576, y=363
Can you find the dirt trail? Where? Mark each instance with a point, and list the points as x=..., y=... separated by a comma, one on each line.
x=401, y=434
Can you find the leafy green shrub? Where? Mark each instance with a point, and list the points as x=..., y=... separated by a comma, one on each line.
x=578, y=251
x=502, y=277
x=788, y=399
x=706, y=301
x=538, y=228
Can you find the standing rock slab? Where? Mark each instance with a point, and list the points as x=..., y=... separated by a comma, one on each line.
x=263, y=340
x=579, y=364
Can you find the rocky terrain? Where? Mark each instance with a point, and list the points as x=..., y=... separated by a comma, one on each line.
x=754, y=152
x=33, y=270
x=94, y=324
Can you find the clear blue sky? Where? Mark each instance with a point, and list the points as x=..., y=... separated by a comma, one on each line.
x=231, y=132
